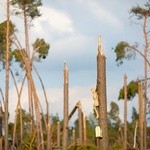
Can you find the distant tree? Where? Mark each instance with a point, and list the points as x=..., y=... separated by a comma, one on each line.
x=28, y=138
x=30, y=10
x=132, y=130
x=114, y=111
x=125, y=50
x=3, y=31
x=91, y=124
x=114, y=127
x=132, y=90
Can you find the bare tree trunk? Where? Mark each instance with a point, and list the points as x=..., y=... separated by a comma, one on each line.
x=84, y=130
x=125, y=112
x=80, y=123
x=141, y=113
x=36, y=100
x=47, y=110
x=31, y=87
x=135, y=134
x=66, y=98
x=28, y=55
x=7, y=79
x=18, y=107
x=58, y=135
x=145, y=81
x=1, y=122
x=101, y=89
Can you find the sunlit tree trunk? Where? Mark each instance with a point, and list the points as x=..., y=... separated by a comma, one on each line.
x=125, y=112
x=18, y=108
x=7, y=79
x=1, y=122
x=80, y=120
x=141, y=114
x=26, y=26
x=145, y=80
x=31, y=88
x=84, y=130
x=66, y=98
x=102, y=99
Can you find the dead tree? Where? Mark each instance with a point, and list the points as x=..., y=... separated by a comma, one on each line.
x=101, y=89
x=65, y=123
x=7, y=76
x=125, y=112
x=141, y=114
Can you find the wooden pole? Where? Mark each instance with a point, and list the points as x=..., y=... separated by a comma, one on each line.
x=141, y=113
x=125, y=112
x=84, y=130
x=80, y=123
x=101, y=89
x=65, y=123
x=58, y=134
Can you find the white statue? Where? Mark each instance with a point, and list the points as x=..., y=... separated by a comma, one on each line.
x=96, y=104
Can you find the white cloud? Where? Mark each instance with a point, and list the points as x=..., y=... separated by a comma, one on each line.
x=103, y=14
x=72, y=44
x=55, y=97
x=53, y=19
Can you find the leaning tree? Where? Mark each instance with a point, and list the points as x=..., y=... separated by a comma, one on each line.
x=127, y=51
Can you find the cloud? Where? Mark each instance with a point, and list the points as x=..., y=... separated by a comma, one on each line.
x=103, y=14
x=55, y=97
x=54, y=20
x=72, y=44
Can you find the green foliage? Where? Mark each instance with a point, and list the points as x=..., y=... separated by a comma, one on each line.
x=18, y=55
x=83, y=147
x=116, y=146
x=114, y=111
x=132, y=90
x=114, y=127
x=29, y=141
x=54, y=121
x=3, y=39
x=90, y=123
x=135, y=115
x=28, y=6
x=141, y=12
x=124, y=51
x=41, y=48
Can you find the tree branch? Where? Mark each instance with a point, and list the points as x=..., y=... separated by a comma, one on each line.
x=133, y=48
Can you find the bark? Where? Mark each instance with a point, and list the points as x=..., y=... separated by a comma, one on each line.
x=35, y=97
x=102, y=98
x=18, y=107
x=141, y=113
x=65, y=123
x=145, y=81
x=135, y=134
x=31, y=88
x=125, y=112
x=7, y=79
x=84, y=130
x=80, y=124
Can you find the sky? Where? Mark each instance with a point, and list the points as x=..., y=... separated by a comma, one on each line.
x=72, y=30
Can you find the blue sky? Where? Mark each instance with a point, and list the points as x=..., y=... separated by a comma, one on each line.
x=72, y=29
